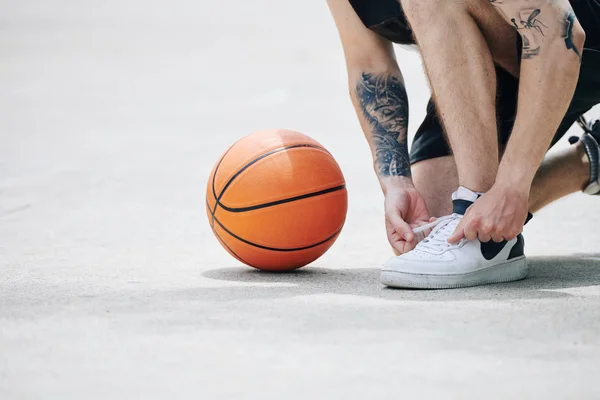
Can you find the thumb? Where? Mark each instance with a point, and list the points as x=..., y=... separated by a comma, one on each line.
x=458, y=234
x=401, y=227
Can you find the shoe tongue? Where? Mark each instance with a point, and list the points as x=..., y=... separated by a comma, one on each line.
x=462, y=199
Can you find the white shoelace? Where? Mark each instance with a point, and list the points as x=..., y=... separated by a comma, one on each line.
x=437, y=240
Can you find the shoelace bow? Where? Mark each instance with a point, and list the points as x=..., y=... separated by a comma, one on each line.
x=437, y=239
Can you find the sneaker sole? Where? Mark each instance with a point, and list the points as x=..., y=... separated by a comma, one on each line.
x=514, y=270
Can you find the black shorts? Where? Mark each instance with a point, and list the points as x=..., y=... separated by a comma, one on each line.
x=386, y=18
x=430, y=141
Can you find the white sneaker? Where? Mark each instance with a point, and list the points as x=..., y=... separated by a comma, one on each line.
x=437, y=264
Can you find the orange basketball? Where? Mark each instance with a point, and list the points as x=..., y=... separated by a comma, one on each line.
x=276, y=200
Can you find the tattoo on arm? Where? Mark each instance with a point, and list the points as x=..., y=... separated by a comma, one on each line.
x=568, y=33
x=530, y=29
x=528, y=19
x=384, y=104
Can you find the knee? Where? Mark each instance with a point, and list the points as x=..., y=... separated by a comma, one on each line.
x=417, y=11
x=425, y=11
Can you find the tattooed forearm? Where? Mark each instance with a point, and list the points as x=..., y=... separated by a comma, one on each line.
x=537, y=19
x=384, y=104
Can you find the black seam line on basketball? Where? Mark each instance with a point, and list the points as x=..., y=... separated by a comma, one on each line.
x=212, y=222
x=220, y=239
x=229, y=248
x=282, y=201
x=257, y=159
x=254, y=161
x=275, y=248
x=254, y=244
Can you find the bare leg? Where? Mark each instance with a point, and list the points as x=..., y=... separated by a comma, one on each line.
x=478, y=33
x=461, y=71
x=436, y=179
x=559, y=175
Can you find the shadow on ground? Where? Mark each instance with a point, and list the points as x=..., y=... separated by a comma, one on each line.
x=546, y=275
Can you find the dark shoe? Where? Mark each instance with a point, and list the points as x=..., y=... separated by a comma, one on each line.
x=591, y=143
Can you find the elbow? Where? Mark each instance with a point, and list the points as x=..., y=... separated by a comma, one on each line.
x=573, y=35
x=352, y=92
x=578, y=37
x=569, y=36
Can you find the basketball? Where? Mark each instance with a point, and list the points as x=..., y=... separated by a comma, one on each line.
x=276, y=200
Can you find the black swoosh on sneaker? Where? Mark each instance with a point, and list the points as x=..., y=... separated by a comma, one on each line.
x=518, y=249
x=491, y=249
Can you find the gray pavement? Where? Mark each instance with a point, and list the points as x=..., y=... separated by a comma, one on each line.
x=112, y=285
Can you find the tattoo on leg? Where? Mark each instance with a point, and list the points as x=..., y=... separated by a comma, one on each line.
x=384, y=105
x=568, y=33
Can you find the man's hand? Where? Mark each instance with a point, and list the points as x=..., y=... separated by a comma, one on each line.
x=405, y=209
x=497, y=215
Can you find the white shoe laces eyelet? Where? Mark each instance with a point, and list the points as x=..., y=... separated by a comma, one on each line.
x=437, y=240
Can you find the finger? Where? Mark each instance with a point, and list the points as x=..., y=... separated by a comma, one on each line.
x=395, y=242
x=401, y=247
x=471, y=229
x=497, y=237
x=408, y=246
x=484, y=232
x=458, y=233
x=403, y=230
x=421, y=229
x=484, y=237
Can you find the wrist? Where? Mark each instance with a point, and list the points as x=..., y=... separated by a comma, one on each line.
x=515, y=178
x=391, y=183
x=518, y=167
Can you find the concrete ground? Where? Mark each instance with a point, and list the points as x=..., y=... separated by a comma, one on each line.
x=112, y=285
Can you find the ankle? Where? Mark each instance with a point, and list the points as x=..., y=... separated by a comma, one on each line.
x=481, y=183
x=478, y=188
